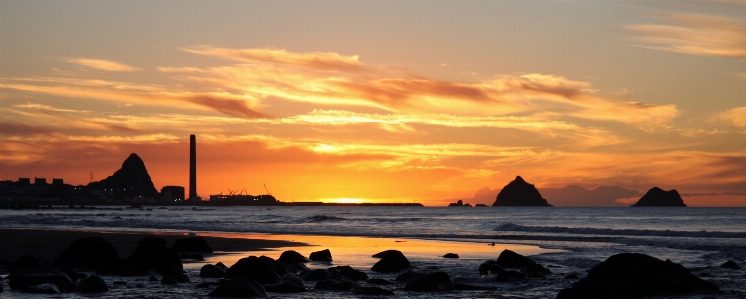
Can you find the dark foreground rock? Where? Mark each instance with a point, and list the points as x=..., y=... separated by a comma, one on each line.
x=342, y=284
x=451, y=256
x=730, y=265
x=634, y=275
x=433, y=282
x=194, y=244
x=520, y=193
x=510, y=259
x=87, y=253
x=158, y=258
x=391, y=261
x=255, y=269
x=211, y=271
x=348, y=272
x=91, y=284
x=28, y=273
x=292, y=257
x=657, y=197
x=490, y=267
x=321, y=256
x=239, y=288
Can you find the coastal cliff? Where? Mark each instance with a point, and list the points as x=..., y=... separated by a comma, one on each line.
x=520, y=193
x=657, y=197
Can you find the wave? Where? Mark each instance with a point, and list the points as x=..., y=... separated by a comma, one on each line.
x=323, y=218
x=511, y=227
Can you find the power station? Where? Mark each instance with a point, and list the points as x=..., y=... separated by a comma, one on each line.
x=193, y=168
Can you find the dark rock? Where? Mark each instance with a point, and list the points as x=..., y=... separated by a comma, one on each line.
x=152, y=241
x=221, y=265
x=433, y=282
x=158, y=258
x=87, y=253
x=291, y=279
x=349, y=272
x=536, y=275
x=206, y=284
x=379, y=281
x=253, y=268
x=409, y=276
x=316, y=275
x=194, y=244
x=633, y=275
x=341, y=284
x=451, y=256
x=91, y=284
x=211, y=271
x=292, y=257
x=168, y=280
x=510, y=259
x=459, y=203
x=657, y=197
x=239, y=288
x=44, y=288
x=509, y=275
x=520, y=193
x=387, y=253
x=132, y=177
x=470, y=287
x=321, y=256
x=371, y=291
x=391, y=261
x=28, y=271
x=535, y=268
x=194, y=256
x=80, y=275
x=730, y=265
x=490, y=267
x=69, y=271
x=571, y=276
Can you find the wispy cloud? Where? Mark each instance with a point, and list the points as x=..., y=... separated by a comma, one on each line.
x=100, y=64
x=735, y=116
x=696, y=35
x=323, y=61
x=48, y=108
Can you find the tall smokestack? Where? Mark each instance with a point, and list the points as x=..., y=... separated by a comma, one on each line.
x=192, y=167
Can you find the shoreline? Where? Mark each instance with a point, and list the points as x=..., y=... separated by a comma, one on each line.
x=46, y=244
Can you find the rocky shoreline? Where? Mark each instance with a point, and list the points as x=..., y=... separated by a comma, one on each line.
x=91, y=264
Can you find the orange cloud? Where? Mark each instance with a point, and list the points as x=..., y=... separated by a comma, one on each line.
x=100, y=64
x=696, y=35
x=322, y=61
x=736, y=116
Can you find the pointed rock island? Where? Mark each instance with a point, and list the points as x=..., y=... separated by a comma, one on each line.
x=518, y=193
x=657, y=197
x=130, y=180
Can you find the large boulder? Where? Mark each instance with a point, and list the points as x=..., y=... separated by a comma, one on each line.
x=239, y=288
x=433, y=282
x=194, y=244
x=657, y=197
x=634, y=275
x=91, y=284
x=520, y=193
x=349, y=272
x=342, y=284
x=321, y=256
x=252, y=268
x=288, y=283
x=730, y=265
x=316, y=275
x=510, y=259
x=292, y=257
x=44, y=288
x=391, y=261
x=211, y=271
x=87, y=253
x=27, y=277
x=158, y=258
x=490, y=267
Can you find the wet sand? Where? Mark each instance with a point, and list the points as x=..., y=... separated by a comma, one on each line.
x=47, y=244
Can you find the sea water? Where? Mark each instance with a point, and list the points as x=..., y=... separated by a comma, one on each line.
x=570, y=240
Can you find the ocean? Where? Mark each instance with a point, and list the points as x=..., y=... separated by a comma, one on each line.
x=567, y=240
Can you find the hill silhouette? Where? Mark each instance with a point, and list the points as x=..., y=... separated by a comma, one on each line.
x=520, y=193
x=657, y=197
x=130, y=180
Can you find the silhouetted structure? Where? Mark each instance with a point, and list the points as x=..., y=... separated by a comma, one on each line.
x=520, y=193
x=129, y=181
x=172, y=193
x=657, y=197
x=24, y=181
x=40, y=181
x=58, y=182
x=192, y=167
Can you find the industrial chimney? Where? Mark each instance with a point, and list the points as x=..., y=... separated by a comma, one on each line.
x=192, y=168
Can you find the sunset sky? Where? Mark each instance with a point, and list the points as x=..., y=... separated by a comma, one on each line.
x=387, y=101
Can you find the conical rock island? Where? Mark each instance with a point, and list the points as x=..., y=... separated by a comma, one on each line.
x=520, y=193
x=657, y=197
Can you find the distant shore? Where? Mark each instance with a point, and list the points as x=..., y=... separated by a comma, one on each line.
x=47, y=243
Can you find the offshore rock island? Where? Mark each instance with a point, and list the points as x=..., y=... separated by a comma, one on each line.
x=519, y=193
x=657, y=197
